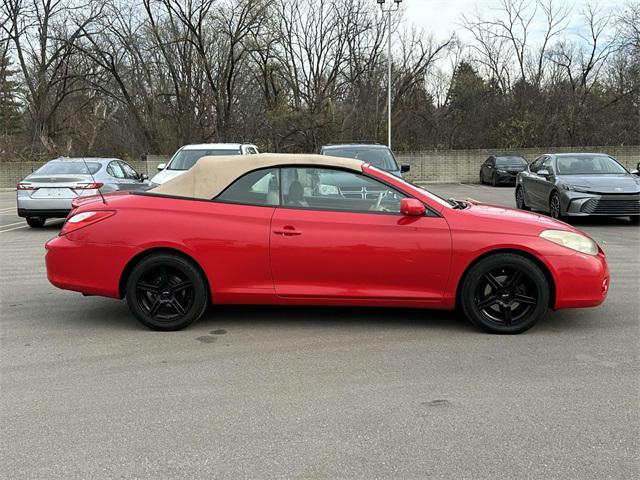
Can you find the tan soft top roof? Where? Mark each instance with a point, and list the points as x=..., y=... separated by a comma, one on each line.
x=211, y=175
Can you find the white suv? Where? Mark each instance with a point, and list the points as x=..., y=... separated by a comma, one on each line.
x=187, y=156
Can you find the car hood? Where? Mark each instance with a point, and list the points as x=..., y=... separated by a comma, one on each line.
x=517, y=221
x=619, y=183
x=166, y=175
x=511, y=168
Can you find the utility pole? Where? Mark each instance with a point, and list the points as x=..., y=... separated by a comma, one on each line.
x=393, y=7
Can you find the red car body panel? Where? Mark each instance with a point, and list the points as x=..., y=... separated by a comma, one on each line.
x=268, y=255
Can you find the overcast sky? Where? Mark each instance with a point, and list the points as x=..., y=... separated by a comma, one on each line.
x=440, y=17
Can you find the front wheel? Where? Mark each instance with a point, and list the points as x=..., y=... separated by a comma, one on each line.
x=505, y=293
x=166, y=292
x=36, y=222
x=635, y=219
x=520, y=202
x=555, y=208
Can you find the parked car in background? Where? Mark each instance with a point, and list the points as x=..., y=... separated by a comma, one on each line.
x=380, y=156
x=502, y=169
x=187, y=156
x=49, y=191
x=223, y=234
x=579, y=184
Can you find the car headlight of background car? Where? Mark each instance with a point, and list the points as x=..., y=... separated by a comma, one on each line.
x=571, y=240
x=574, y=188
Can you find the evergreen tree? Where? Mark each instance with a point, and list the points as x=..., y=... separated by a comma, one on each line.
x=10, y=115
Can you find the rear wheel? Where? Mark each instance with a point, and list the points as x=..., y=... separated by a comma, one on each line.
x=36, y=222
x=166, y=292
x=520, y=202
x=635, y=219
x=555, y=208
x=505, y=293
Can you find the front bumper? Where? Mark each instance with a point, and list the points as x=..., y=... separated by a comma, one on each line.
x=581, y=280
x=577, y=204
x=506, y=177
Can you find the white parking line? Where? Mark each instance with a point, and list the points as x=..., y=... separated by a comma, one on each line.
x=14, y=228
x=12, y=224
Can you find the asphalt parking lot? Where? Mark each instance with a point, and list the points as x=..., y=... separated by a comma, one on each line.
x=87, y=392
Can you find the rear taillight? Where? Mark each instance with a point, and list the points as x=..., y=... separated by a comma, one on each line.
x=89, y=186
x=25, y=186
x=84, y=219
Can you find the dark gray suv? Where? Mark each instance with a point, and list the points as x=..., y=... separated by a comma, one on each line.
x=379, y=156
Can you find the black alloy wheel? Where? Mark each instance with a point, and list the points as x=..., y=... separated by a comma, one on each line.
x=36, y=222
x=555, y=208
x=166, y=292
x=520, y=202
x=505, y=293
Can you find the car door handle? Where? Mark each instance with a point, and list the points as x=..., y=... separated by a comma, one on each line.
x=287, y=232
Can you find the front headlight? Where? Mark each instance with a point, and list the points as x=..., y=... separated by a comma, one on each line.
x=571, y=240
x=574, y=188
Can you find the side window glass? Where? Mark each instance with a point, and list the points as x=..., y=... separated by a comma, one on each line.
x=115, y=170
x=255, y=188
x=336, y=190
x=251, y=151
x=129, y=171
x=535, y=165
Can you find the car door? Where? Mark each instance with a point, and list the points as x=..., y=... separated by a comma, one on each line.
x=534, y=184
x=132, y=177
x=118, y=179
x=331, y=245
x=546, y=184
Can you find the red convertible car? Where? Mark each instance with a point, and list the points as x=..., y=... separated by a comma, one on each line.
x=318, y=230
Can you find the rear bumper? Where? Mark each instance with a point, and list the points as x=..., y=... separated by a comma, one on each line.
x=43, y=213
x=581, y=280
x=43, y=207
x=93, y=269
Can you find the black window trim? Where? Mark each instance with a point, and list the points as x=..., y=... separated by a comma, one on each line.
x=429, y=212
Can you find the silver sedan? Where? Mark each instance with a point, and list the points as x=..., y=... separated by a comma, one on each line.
x=49, y=191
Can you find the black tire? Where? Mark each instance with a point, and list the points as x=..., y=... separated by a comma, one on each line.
x=481, y=178
x=494, y=180
x=555, y=206
x=36, y=222
x=505, y=293
x=635, y=219
x=166, y=292
x=520, y=201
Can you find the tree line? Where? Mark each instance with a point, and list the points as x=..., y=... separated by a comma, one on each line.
x=128, y=77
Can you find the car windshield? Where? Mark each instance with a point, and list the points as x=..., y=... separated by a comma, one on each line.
x=185, y=159
x=378, y=157
x=511, y=160
x=589, y=165
x=61, y=167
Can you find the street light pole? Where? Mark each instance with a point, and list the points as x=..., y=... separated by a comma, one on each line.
x=388, y=11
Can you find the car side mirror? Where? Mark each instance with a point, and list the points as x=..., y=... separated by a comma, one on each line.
x=544, y=173
x=143, y=177
x=405, y=168
x=412, y=207
x=162, y=166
